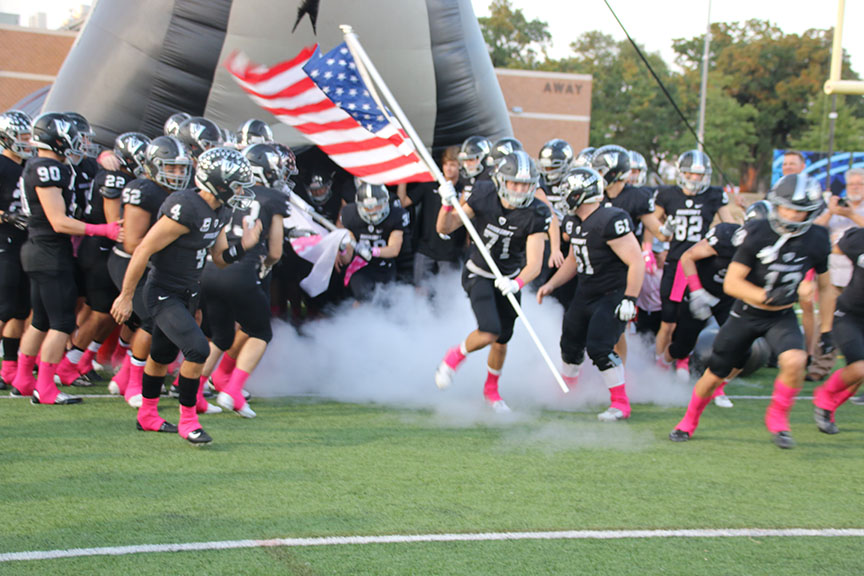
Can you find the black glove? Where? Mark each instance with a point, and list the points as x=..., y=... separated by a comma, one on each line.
x=16, y=219
x=826, y=343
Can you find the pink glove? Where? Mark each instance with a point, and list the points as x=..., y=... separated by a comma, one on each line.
x=110, y=231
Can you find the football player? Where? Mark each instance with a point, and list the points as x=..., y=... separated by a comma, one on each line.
x=514, y=224
x=191, y=224
x=167, y=168
x=475, y=161
x=254, y=132
x=608, y=259
x=687, y=211
x=47, y=254
x=15, y=130
x=770, y=261
x=555, y=158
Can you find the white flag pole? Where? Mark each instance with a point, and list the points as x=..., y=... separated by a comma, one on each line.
x=368, y=71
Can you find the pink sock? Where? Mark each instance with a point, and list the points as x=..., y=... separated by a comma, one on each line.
x=24, y=380
x=85, y=365
x=222, y=375
x=148, y=415
x=67, y=371
x=188, y=421
x=134, y=384
x=455, y=356
x=9, y=371
x=120, y=352
x=45, y=383
x=618, y=396
x=235, y=387
x=490, y=389
x=200, y=401
x=122, y=376
x=694, y=410
x=720, y=391
x=777, y=414
x=826, y=395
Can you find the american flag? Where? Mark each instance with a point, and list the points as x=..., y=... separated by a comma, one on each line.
x=325, y=98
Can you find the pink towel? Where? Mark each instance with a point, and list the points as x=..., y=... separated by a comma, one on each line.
x=679, y=285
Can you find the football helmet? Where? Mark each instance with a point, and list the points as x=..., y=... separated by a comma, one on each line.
x=612, y=162
x=131, y=150
x=320, y=188
x=638, y=165
x=253, y=132
x=581, y=185
x=473, y=155
x=694, y=162
x=87, y=135
x=167, y=163
x=373, y=202
x=555, y=159
x=516, y=177
x=757, y=211
x=199, y=134
x=266, y=165
x=584, y=157
x=504, y=146
x=172, y=125
x=227, y=175
x=15, y=132
x=289, y=159
x=798, y=192
x=54, y=131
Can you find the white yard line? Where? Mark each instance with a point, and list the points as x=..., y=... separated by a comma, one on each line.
x=414, y=538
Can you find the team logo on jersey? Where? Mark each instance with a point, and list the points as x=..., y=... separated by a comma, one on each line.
x=371, y=228
x=689, y=203
x=502, y=220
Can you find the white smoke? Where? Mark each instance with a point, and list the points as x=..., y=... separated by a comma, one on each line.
x=386, y=352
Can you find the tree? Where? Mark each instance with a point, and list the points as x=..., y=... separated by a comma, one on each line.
x=848, y=129
x=514, y=41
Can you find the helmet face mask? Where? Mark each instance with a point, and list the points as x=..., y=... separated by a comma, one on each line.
x=581, y=185
x=796, y=192
x=373, y=203
x=130, y=148
x=320, y=188
x=87, y=147
x=227, y=175
x=555, y=158
x=694, y=172
x=638, y=169
x=472, y=155
x=516, y=177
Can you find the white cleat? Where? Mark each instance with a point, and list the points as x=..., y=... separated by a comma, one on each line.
x=135, y=401
x=500, y=407
x=611, y=415
x=113, y=388
x=723, y=401
x=444, y=376
x=212, y=409
x=227, y=402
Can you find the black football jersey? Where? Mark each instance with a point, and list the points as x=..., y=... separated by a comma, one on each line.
x=784, y=268
x=636, y=202
x=107, y=184
x=10, y=199
x=425, y=197
x=84, y=173
x=694, y=215
x=146, y=194
x=178, y=266
x=44, y=173
x=267, y=203
x=468, y=184
x=712, y=271
x=599, y=268
x=377, y=235
x=851, y=300
x=329, y=209
x=554, y=195
x=504, y=231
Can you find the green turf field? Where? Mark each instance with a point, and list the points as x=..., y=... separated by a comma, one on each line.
x=82, y=476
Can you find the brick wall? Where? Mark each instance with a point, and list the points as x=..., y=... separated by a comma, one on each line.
x=31, y=60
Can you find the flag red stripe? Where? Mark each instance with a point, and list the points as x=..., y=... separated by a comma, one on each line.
x=370, y=169
x=248, y=75
x=307, y=109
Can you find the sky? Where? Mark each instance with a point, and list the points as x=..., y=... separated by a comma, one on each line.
x=655, y=24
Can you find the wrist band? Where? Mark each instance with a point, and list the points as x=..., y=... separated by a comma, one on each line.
x=693, y=283
x=520, y=282
x=376, y=252
x=233, y=253
x=447, y=208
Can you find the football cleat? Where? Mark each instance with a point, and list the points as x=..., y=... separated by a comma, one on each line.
x=113, y=388
x=164, y=427
x=723, y=401
x=500, y=407
x=15, y=393
x=679, y=436
x=858, y=400
x=199, y=437
x=211, y=409
x=62, y=399
x=3, y=385
x=825, y=421
x=444, y=376
x=611, y=414
x=682, y=369
x=135, y=401
x=227, y=402
x=783, y=439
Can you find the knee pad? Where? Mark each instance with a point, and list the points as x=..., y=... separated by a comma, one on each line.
x=198, y=351
x=606, y=361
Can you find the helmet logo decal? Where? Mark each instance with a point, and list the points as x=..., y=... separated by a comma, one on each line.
x=196, y=129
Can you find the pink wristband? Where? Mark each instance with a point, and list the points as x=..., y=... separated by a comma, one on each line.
x=693, y=283
x=447, y=208
x=376, y=252
x=520, y=282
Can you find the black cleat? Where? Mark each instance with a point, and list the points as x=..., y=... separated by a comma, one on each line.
x=164, y=427
x=3, y=384
x=679, y=436
x=783, y=439
x=15, y=393
x=82, y=381
x=824, y=421
x=62, y=399
x=199, y=437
